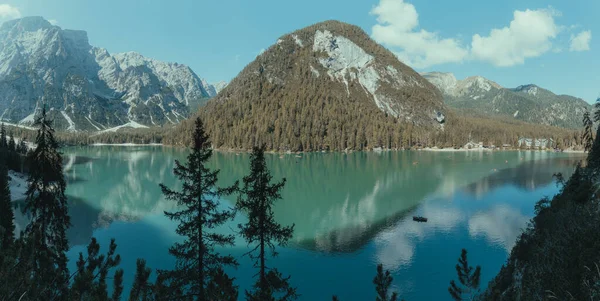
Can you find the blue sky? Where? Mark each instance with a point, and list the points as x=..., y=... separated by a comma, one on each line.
x=548, y=43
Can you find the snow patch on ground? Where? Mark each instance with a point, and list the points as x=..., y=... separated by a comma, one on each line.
x=30, y=119
x=314, y=71
x=20, y=126
x=532, y=91
x=297, y=40
x=130, y=124
x=90, y=121
x=17, y=185
x=71, y=127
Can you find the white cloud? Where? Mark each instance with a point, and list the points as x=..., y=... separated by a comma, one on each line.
x=53, y=21
x=501, y=225
x=9, y=12
x=395, y=246
x=581, y=41
x=397, y=27
x=529, y=35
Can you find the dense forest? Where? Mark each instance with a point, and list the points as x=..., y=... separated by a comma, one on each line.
x=126, y=135
x=387, y=133
x=309, y=128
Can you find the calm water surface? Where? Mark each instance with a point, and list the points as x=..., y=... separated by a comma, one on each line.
x=351, y=211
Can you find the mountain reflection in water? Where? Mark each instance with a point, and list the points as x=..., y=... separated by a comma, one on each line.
x=528, y=175
x=501, y=224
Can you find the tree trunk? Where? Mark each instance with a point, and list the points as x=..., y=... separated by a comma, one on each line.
x=200, y=252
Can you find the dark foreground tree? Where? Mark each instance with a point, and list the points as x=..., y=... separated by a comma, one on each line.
x=468, y=278
x=46, y=204
x=262, y=231
x=89, y=282
x=587, y=136
x=141, y=289
x=3, y=138
x=382, y=282
x=7, y=225
x=199, y=269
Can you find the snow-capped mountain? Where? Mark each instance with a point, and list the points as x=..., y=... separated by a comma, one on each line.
x=214, y=89
x=86, y=87
x=528, y=103
x=218, y=86
x=322, y=87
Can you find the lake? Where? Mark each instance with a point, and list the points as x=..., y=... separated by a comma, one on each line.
x=351, y=212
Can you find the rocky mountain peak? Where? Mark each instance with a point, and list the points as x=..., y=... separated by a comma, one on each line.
x=528, y=103
x=29, y=24
x=530, y=89
x=336, y=77
x=87, y=87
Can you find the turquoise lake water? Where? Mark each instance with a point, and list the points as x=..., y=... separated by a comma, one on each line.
x=351, y=212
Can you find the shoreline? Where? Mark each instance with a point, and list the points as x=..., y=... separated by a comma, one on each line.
x=434, y=149
x=126, y=144
x=430, y=149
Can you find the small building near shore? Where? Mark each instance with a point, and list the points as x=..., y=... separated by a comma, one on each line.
x=536, y=143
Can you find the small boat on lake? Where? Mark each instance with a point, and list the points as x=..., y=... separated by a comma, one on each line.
x=420, y=219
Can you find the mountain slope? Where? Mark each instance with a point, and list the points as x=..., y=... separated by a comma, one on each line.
x=528, y=103
x=85, y=87
x=327, y=86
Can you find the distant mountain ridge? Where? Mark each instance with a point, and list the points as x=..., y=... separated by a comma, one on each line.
x=528, y=103
x=326, y=86
x=85, y=87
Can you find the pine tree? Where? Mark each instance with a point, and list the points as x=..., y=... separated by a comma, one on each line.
x=12, y=146
x=198, y=264
x=587, y=137
x=142, y=288
x=593, y=158
x=117, y=285
x=3, y=141
x=468, y=279
x=46, y=204
x=7, y=225
x=256, y=199
x=22, y=149
x=90, y=279
x=382, y=282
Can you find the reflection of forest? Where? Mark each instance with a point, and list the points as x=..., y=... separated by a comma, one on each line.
x=527, y=176
x=338, y=202
x=106, y=185
x=84, y=220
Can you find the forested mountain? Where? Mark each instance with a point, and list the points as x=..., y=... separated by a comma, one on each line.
x=530, y=103
x=330, y=87
x=327, y=86
x=85, y=87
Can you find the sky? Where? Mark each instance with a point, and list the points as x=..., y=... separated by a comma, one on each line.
x=513, y=42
